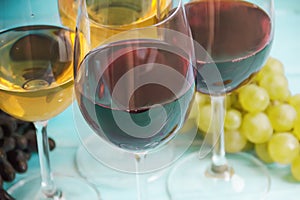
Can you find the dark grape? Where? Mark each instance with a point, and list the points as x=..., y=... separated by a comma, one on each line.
x=31, y=140
x=5, y=196
x=8, y=125
x=7, y=171
x=18, y=160
x=51, y=144
x=23, y=127
x=2, y=154
x=1, y=182
x=1, y=132
x=21, y=141
x=7, y=143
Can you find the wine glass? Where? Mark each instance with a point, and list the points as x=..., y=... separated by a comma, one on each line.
x=135, y=89
x=36, y=84
x=238, y=37
x=107, y=18
x=104, y=21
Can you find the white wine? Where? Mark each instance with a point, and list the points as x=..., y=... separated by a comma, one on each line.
x=36, y=71
x=110, y=17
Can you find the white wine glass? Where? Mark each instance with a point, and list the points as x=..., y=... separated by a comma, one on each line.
x=36, y=84
x=238, y=37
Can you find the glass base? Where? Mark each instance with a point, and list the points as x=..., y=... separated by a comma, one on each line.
x=246, y=178
x=72, y=188
x=99, y=173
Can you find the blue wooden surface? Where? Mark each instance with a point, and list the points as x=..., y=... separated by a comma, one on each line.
x=286, y=48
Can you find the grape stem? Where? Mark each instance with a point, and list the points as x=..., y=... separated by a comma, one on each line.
x=219, y=167
x=48, y=187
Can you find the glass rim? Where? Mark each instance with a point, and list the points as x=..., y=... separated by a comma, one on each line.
x=125, y=27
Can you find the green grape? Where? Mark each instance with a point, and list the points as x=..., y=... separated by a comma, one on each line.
x=199, y=100
x=276, y=86
x=295, y=101
x=253, y=98
x=262, y=153
x=202, y=99
x=295, y=168
x=296, y=129
x=228, y=102
x=204, y=117
x=234, y=141
x=233, y=119
x=272, y=66
x=256, y=127
x=283, y=147
x=235, y=100
x=282, y=117
x=249, y=146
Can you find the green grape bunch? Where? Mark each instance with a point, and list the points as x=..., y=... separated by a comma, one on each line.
x=262, y=117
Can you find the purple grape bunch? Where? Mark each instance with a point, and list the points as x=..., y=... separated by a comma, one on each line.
x=17, y=143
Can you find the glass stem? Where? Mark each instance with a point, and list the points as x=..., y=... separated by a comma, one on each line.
x=48, y=187
x=219, y=166
x=141, y=181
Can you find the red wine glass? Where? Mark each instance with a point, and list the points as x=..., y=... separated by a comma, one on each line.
x=238, y=36
x=135, y=89
x=107, y=18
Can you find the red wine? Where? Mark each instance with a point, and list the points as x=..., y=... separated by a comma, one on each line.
x=148, y=106
x=236, y=34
